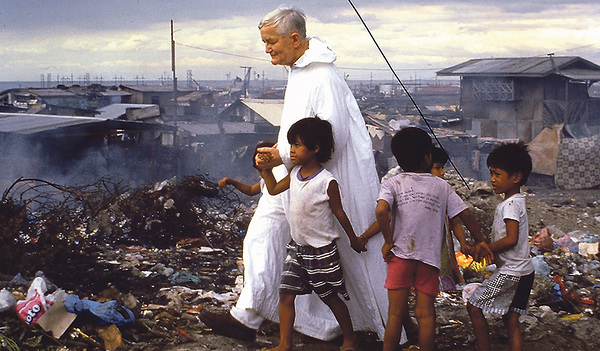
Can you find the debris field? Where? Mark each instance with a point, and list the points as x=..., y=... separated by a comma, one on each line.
x=168, y=250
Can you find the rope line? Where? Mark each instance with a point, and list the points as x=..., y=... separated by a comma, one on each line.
x=407, y=92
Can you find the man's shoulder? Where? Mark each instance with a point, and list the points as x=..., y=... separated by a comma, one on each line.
x=319, y=71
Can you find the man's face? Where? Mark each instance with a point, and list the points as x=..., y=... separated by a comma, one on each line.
x=281, y=49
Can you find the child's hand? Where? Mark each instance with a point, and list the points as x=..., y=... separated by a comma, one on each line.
x=386, y=251
x=223, y=182
x=357, y=244
x=267, y=157
x=363, y=240
x=468, y=250
x=483, y=253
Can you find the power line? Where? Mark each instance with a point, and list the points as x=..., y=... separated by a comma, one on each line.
x=406, y=90
x=224, y=53
x=267, y=60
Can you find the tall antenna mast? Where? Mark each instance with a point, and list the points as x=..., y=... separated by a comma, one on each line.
x=174, y=76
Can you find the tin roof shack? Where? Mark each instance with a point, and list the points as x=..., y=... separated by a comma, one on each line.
x=226, y=148
x=161, y=95
x=113, y=96
x=131, y=112
x=198, y=106
x=265, y=114
x=72, y=150
x=50, y=101
x=462, y=147
x=68, y=101
x=515, y=98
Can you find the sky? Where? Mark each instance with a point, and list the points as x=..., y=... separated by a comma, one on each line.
x=216, y=38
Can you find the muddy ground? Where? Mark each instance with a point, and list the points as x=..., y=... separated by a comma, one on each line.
x=165, y=276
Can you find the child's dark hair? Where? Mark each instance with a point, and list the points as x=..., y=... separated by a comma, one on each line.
x=439, y=155
x=409, y=146
x=511, y=158
x=313, y=132
x=260, y=144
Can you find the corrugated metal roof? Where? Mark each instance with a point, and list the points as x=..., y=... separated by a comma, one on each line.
x=213, y=128
x=193, y=96
x=115, y=111
x=156, y=88
x=521, y=66
x=27, y=124
x=269, y=109
x=49, y=92
x=22, y=123
x=581, y=74
x=115, y=93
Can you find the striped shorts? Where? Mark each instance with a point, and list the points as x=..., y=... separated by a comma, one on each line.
x=307, y=269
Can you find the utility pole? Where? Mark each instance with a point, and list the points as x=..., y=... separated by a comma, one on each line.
x=246, y=79
x=173, y=69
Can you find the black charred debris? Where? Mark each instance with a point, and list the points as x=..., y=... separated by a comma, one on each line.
x=163, y=251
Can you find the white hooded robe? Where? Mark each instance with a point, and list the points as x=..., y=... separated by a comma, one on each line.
x=316, y=88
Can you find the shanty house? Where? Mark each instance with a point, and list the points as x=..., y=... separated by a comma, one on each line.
x=517, y=97
x=265, y=114
x=198, y=106
x=225, y=148
x=161, y=95
x=83, y=149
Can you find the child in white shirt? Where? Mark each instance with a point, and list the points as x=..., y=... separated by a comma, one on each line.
x=507, y=290
x=313, y=262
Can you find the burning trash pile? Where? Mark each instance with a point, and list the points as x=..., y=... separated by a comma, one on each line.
x=114, y=267
x=134, y=266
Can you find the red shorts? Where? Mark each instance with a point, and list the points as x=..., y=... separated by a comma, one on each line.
x=404, y=273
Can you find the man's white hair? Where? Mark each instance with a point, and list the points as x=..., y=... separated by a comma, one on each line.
x=286, y=20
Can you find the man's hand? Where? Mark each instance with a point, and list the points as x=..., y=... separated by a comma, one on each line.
x=267, y=157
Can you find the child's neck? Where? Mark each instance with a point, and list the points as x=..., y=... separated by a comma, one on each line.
x=309, y=168
x=512, y=191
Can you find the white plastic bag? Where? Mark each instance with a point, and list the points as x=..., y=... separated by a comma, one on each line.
x=7, y=300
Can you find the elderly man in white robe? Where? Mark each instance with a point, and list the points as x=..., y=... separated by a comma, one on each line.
x=315, y=88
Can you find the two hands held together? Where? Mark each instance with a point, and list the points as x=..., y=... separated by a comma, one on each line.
x=480, y=252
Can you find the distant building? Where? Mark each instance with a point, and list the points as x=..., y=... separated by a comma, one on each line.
x=265, y=114
x=161, y=95
x=225, y=148
x=65, y=101
x=76, y=149
x=515, y=98
x=198, y=106
x=131, y=112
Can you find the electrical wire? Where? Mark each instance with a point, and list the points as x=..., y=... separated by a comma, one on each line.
x=224, y=53
x=407, y=92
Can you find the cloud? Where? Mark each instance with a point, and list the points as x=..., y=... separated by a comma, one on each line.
x=125, y=37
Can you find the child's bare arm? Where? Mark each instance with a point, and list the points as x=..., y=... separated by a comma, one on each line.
x=369, y=233
x=335, y=202
x=510, y=240
x=249, y=190
x=273, y=186
x=382, y=212
x=468, y=219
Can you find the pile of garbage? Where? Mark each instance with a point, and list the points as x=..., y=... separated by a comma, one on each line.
x=154, y=257
x=128, y=263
